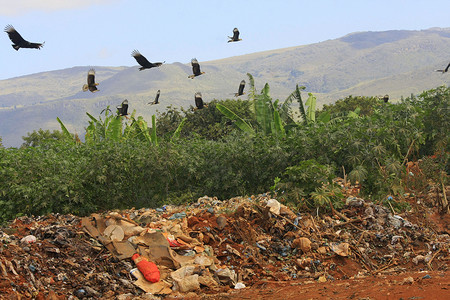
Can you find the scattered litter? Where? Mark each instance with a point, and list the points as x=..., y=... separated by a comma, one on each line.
x=211, y=245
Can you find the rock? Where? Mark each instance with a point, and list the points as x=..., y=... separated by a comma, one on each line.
x=418, y=259
x=408, y=280
x=302, y=243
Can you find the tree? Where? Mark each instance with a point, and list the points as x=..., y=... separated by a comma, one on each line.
x=208, y=122
x=350, y=103
x=37, y=138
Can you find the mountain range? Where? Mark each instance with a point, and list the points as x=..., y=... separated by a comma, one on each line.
x=395, y=62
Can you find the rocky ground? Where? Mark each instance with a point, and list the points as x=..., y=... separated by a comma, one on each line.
x=241, y=248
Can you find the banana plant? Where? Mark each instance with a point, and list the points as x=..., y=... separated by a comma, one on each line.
x=311, y=111
x=109, y=128
x=66, y=132
x=154, y=138
x=239, y=122
x=266, y=112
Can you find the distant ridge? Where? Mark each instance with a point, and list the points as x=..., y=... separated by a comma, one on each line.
x=394, y=62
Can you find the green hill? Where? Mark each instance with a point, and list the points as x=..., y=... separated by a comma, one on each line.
x=395, y=62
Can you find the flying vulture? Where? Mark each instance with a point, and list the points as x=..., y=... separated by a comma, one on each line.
x=195, y=69
x=143, y=61
x=235, y=37
x=156, y=98
x=91, y=85
x=19, y=41
x=241, y=89
x=199, y=101
x=122, y=109
x=445, y=70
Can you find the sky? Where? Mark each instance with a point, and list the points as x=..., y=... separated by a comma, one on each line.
x=105, y=32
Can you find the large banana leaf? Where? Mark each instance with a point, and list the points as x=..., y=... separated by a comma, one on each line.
x=176, y=134
x=278, y=124
x=325, y=117
x=142, y=129
x=264, y=110
x=251, y=92
x=296, y=94
x=154, y=138
x=64, y=130
x=240, y=123
x=114, y=129
x=311, y=112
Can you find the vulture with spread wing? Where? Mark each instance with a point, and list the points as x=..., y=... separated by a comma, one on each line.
x=199, y=101
x=156, y=98
x=145, y=64
x=241, y=89
x=122, y=109
x=235, y=37
x=19, y=41
x=91, y=85
x=195, y=69
x=445, y=70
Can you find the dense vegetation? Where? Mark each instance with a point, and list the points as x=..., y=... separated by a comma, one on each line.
x=245, y=148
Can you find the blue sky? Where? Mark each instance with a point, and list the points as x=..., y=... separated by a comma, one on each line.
x=104, y=32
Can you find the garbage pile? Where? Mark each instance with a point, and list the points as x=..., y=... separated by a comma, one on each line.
x=208, y=247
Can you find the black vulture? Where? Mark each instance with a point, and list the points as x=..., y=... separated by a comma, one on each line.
x=199, y=101
x=445, y=70
x=195, y=69
x=91, y=85
x=122, y=109
x=143, y=61
x=19, y=41
x=235, y=37
x=241, y=89
x=385, y=98
x=156, y=98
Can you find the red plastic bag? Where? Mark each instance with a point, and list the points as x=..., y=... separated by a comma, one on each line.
x=147, y=268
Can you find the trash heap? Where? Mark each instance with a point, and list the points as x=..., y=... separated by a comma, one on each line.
x=209, y=247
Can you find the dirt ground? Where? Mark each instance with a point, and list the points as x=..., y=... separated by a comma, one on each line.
x=408, y=285
x=364, y=251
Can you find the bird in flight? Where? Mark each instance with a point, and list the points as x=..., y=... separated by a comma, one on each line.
x=122, y=109
x=235, y=37
x=91, y=85
x=241, y=89
x=19, y=41
x=145, y=64
x=195, y=69
x=199, y=101
x=445, y=70
x=156, y=98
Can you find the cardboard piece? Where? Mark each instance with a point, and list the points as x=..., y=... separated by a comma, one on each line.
x=160, y=288
x=124, y=249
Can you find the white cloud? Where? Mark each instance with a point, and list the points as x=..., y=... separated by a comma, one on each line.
x=19, y=7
